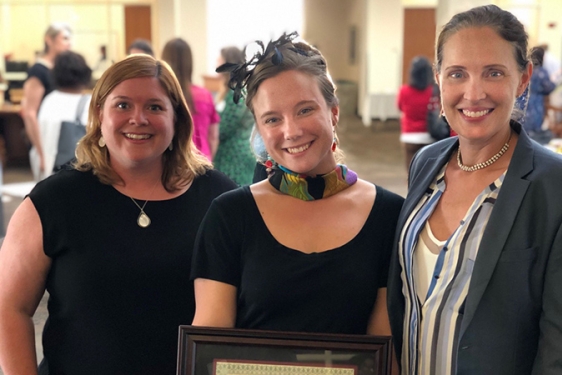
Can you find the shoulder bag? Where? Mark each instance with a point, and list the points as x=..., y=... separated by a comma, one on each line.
x=70, y=133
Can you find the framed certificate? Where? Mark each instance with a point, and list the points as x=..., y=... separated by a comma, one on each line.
x=218, y=351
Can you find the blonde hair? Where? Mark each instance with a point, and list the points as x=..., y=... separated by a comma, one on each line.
x=180, y=165
x=53, y=30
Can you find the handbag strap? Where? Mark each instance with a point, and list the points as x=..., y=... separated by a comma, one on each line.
x=80, y=108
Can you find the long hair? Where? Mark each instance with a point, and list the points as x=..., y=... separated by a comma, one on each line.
x=180, y=165
x=177, y=54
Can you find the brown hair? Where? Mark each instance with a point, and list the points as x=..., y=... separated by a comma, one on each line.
x=505, y=24
x=181, y=165
x=177, y=54
x=313, y=64
x=141, y=44
x=309, y=61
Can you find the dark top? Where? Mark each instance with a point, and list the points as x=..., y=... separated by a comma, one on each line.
x=43, y=74
x=118, y=292
x=284, y=289
x=512, y=316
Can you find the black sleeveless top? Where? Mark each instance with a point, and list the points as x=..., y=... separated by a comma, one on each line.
x=117, y=292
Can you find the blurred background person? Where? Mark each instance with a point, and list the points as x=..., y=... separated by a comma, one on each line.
x=71, y=75
x=39, y=83
x=234, y=155
x=140, y=46
x=111, y=238
x=552, y=65
x=541, y=86
x=206, y=120
x=102, y=64
x=413, y=100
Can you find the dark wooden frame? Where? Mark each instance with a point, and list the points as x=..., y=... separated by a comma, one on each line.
x=192, y=338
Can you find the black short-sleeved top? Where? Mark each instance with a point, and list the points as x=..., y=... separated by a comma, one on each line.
x=44, y=75
x=284, y=289
x=118, y=292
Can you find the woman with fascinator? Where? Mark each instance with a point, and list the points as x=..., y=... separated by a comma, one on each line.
x=307, y=249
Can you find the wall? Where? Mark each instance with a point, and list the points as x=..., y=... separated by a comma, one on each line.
x=192, y=15
x=550, y=12
x=328, y=25
x=94, y=23
x=384, y=58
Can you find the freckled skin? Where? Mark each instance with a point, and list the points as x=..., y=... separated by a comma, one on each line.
x=296, y=123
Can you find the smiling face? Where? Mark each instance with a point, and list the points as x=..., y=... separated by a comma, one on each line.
x=137, y=123
x=479, y=81
x=296, y=124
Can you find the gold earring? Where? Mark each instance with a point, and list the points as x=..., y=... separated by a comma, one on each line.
x=101, y=142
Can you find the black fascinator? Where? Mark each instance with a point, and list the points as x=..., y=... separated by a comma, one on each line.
x=241, y=73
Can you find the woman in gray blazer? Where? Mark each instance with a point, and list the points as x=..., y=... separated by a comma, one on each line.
x=476, y=280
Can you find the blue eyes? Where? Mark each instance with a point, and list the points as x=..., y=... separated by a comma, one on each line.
x=304, y=111
x=492, y=74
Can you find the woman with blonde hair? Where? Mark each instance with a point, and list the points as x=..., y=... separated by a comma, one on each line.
x=39, y=83
x=110, y=239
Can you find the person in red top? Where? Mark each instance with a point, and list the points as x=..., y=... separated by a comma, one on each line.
x=412, y=101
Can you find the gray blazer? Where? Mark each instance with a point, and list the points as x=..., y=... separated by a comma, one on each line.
x=512, y=320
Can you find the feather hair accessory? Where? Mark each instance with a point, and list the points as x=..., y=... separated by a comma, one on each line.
x=241, y=73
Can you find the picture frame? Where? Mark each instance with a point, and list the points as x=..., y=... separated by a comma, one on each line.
x=222, y=351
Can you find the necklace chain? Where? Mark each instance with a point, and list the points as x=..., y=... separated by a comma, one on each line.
x=143, y=220
x=140, y=208
x=486, y=163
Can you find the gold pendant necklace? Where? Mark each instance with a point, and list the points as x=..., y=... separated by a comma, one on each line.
x=143, y=220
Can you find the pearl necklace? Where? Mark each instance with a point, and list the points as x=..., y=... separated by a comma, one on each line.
x=486, y=163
